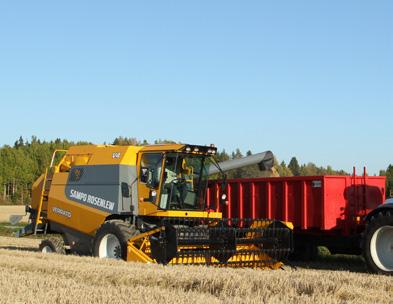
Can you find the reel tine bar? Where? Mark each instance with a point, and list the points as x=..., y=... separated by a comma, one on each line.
x=224, y=242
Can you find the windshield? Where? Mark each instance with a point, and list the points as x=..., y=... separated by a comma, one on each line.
x=184, y=182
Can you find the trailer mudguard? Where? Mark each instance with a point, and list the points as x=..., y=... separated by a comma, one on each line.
x=387, y=205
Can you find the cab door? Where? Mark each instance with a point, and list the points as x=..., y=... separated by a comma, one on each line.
x=150, y=178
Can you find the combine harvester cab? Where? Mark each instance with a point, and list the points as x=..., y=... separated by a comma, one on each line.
x=148, y=204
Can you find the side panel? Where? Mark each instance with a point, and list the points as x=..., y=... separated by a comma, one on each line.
x=99, y=187
x=349, y=198
x=71, y=214
x=333, y=204
x=335, y=197
x=299, y=201
x=84, y=197
x=36, y=192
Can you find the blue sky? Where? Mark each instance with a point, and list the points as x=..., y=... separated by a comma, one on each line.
x=312, y=79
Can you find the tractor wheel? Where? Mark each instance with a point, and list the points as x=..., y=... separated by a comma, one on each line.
x=378, y=243
x=53, y=245
x=111, y=239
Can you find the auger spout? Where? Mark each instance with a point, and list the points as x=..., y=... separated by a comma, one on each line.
x=264, y=160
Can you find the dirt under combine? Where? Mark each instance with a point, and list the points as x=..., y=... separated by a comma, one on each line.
x=147, y=204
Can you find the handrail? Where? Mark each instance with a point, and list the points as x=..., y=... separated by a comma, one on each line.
x=37, y=219
x=54, y=154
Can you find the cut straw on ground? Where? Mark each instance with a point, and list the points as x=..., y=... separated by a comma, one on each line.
x=33, y=277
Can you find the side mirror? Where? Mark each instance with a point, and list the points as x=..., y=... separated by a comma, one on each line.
x=125, y=190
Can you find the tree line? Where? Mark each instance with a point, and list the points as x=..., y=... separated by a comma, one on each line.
x=22, y=163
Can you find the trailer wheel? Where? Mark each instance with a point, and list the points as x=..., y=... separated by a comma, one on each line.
x=111, y=239
x=53, y=245
x=378, y=243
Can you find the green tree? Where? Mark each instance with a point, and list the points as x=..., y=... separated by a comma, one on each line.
x=294, y=166
x=309, y=169
x=282, y=169
x=163, y=141
x=21, y=164
x=126, y=141
x=389, y=180
x=25, y=161
x=19, y=143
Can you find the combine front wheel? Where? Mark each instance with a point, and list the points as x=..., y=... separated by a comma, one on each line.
x=378, y=243
x=111, y=239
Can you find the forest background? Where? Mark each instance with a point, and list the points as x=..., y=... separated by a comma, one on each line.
x=22, y=163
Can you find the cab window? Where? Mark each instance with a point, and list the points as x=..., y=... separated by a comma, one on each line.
x=150, y=174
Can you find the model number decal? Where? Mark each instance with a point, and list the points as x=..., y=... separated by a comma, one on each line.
x=62, y=212
x=116, y=155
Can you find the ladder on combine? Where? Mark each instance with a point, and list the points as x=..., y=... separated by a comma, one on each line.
x=41, y=212
x=43, y=203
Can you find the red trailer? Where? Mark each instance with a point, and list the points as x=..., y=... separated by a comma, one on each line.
x=325, y=210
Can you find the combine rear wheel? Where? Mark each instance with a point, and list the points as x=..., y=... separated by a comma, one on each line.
x=53, y=245
x=111, y=239
x=378, y=243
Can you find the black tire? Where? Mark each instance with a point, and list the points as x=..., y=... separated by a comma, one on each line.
x=112, y=230
x=53, y=245
x=378, y=243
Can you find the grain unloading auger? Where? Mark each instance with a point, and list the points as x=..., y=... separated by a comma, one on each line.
x=147, y=204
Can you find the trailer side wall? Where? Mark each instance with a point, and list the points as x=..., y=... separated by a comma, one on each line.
x=318, y=204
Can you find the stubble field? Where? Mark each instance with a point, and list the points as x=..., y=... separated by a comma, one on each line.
x=31, y=277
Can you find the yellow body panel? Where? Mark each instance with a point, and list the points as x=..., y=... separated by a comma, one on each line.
x=145, y=208
x=80, y=217
x=185, y=214
x=163, y=148
x=107, y=154
x=36, y=191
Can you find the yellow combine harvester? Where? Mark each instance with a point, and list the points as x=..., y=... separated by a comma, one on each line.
x=148, y=204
